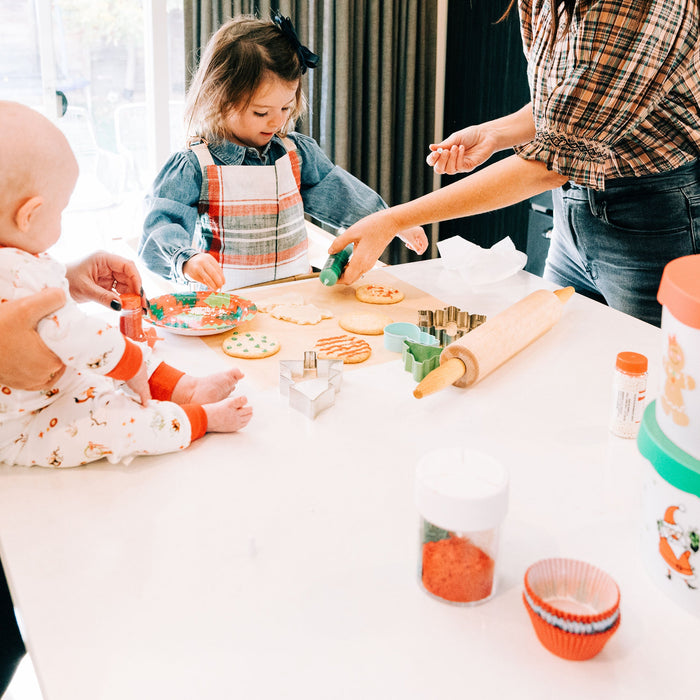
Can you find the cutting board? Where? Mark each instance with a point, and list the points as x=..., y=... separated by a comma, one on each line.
x=340, y=299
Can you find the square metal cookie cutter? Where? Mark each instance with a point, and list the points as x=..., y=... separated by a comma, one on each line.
x=311, y=384
x=448, y=324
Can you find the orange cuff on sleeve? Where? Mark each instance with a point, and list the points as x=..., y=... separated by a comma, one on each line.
x=198, y=420
x=129, y=364
x=163, y=381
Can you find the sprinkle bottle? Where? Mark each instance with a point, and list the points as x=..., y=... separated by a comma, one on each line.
x=130, y=317
x=334, y=266
x=462, y=497
x=629, y=394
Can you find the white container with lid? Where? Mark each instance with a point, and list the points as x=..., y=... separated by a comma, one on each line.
x=678, y=407
x=462, y=497
x=670, y=515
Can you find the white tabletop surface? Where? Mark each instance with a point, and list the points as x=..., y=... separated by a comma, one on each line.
x=281, y=561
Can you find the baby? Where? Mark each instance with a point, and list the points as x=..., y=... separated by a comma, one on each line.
x=114, y=399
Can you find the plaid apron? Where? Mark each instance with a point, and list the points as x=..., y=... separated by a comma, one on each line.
x=252, y=218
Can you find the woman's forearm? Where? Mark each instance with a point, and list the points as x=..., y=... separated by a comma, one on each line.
x=501, y=184
x=513, y=129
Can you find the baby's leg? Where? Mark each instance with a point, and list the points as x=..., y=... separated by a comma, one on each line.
x=228, y=415
x=206, y=390
x=96, y=421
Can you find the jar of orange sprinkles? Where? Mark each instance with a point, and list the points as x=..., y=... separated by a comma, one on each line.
x=462, y=498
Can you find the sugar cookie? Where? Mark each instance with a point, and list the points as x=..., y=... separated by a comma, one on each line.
x=378, y=294
x=364, y=323
x=304, y=314
x=249, y=345
x=347, y=348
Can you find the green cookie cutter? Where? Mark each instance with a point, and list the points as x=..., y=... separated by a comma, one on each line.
x=420, y=359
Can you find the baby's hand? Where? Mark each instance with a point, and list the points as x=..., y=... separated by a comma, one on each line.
x=415, y=239
x=203, y=268
x=139, y=385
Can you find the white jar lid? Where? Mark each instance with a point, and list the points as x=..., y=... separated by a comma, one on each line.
x=461, y=490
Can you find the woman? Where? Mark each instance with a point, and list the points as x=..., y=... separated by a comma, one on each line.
x=612, y=127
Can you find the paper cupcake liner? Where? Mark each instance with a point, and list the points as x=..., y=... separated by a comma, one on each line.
x=573, y=626
x=567, y=645
x=572, y=580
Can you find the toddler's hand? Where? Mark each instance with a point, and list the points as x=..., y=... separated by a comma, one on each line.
x=139, y=385
x=415, y=239
x=203, y=268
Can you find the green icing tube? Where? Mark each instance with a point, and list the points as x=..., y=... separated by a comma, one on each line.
x=334, y=266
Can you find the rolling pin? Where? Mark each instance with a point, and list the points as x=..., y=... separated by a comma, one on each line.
x=470, y=358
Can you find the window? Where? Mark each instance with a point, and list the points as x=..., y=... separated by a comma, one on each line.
x=85, y=64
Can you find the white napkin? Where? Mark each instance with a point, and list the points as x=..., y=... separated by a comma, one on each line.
x=479, y=265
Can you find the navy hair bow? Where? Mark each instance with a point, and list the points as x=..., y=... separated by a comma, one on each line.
x=307, y=58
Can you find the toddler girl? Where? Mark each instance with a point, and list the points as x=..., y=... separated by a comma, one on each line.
x=229, y=211
x=84, y=416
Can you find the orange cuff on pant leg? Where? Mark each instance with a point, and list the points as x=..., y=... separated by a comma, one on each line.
x=198, y=420
x=163, y=381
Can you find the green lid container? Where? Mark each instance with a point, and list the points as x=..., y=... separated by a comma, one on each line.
x=674, y=465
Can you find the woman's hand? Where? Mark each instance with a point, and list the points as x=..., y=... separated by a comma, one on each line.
x=25, y=362
x=102, y=277
x=370, y=237
x=462, y=151
x=203, y=268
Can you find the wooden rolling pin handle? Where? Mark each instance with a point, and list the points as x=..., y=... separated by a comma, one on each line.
x=444, y=375
x=564, y=294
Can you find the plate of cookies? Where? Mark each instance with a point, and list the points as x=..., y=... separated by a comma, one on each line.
x=199, y=313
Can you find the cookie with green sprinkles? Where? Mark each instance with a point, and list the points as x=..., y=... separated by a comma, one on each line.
x=250, y=345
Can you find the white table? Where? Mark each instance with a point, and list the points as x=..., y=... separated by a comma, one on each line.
x=281, y=562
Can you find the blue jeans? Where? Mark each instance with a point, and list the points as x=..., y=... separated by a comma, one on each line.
x=613, y=245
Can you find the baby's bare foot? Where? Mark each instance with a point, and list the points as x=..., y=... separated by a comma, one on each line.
x=228, y=415
x=208, y=389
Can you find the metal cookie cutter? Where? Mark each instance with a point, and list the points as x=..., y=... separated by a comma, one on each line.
x=448, y=324
x=311, y=384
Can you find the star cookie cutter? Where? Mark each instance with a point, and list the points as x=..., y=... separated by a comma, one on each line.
x=311, y=384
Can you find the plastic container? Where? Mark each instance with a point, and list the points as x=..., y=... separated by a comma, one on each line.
x=629, y=394
x=130, y=317
x=462, y=498
x=678, y=407
x=670, y=514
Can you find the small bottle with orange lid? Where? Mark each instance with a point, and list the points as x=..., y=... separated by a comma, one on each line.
x=629, y=394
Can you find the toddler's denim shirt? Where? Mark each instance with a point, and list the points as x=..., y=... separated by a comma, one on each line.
x=329, y=193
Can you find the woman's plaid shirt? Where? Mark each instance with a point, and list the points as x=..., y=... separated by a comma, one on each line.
x=620, y=94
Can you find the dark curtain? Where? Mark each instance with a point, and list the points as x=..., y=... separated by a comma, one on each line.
x=485, y=78
x=371, y=100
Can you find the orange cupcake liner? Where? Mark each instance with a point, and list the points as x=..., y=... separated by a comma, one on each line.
x=569, y=645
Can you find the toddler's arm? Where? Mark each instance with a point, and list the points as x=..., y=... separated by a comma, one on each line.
x=171, y=217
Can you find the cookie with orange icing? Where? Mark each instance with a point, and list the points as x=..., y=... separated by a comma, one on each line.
x=378, y=294
x=348, y=348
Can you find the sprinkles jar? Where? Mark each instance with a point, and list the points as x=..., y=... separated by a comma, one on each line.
x=462, y=498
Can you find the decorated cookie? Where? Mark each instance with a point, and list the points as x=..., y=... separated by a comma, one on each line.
x=378, y=294
x=249, y=345
x=303, y=314
x=364, y=323
x=347, y=348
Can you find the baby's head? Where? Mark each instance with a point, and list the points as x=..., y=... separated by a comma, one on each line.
x=37, y=178
x=243, y=55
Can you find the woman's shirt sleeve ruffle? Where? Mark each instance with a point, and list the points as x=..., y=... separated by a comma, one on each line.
x=171, y=217
x=599, y=85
